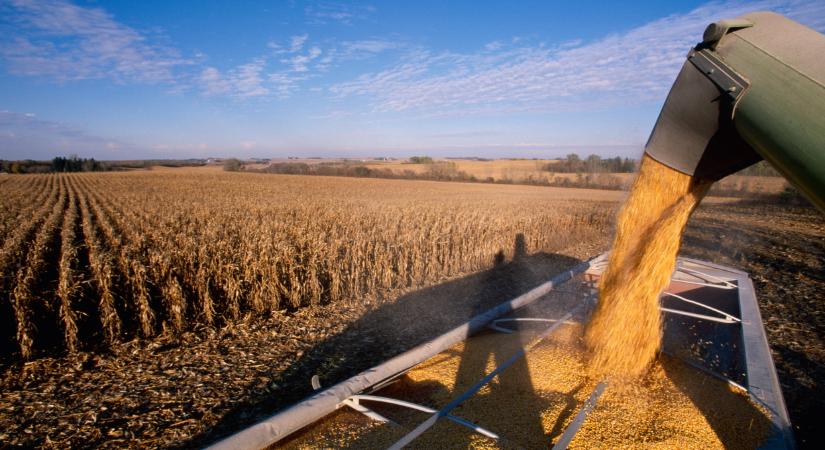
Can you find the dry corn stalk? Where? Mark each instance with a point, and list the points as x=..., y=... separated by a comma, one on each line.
x=170, y=250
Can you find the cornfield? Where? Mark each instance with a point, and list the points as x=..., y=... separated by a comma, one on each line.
x=87, y=260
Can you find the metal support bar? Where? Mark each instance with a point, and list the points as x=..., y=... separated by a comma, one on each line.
x=494, y=324
x=697, y=316
x=727, y=318
x=708, y=280
x=571, y=430
x=356, y=405
x=707, y=277
x=724, y=77
x=375, y=398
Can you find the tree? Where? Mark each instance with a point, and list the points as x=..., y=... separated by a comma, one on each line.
x=573, y=163
x=421, y=160
x=90, y=165
x=628, y=166
x=232, y=165
x=443, y=171
x=593, y=164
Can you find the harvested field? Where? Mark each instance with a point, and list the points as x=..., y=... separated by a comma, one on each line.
x=498, y=169
x=186, y=388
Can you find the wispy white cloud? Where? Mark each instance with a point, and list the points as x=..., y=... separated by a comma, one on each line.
x=285, y=84
x=297, y=42
x=281, y=73
x=293, y=45
x=57, y=39
x=213, y=82
x=248, y=79
x=636, y=66
x=244, y=81
x=492, y=46
x=301, y=59
x=358, y=50
x=64, y=42
x=299, y=63
x=342, y=13
x=810, y=13
x=368, y=46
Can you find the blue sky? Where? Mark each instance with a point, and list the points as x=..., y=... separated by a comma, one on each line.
x=158, y=79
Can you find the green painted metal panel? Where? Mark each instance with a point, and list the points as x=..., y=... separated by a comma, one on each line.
x=783, y=118
x=782, y=114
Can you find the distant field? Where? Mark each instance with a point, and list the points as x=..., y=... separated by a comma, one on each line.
x=498, y=169
x=528, y=170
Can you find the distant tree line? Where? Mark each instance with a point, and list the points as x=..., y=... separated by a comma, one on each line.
x=58, y=164
x=75, y=164
x=437, y=170
x=25, y=166
x=233, y=165
x=421, y=160
x=440, y=171
x=572, y=163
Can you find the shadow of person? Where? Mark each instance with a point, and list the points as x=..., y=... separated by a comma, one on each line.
x=519, y=248
x=480, y=356
x=390, y=329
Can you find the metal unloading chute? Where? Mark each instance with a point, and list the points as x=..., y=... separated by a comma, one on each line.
x=754, y=88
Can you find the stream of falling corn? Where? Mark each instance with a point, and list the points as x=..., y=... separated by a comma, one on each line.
x=625, y=330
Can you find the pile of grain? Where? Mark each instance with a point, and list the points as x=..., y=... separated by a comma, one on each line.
x=531, y=403
x=625, y=330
